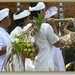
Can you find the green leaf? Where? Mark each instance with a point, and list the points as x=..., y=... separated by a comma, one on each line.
x=40, y=20
x=36, y=20
x=16, y=47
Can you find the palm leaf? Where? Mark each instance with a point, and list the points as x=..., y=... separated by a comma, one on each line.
x=38, y=20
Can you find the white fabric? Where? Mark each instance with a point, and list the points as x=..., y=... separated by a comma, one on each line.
x=4, y=13
x=59, y=64
x=39, y=6
x=27, y=26
x=44, y=59
x=58, y=58
x=51, y=12
x=17, y=31
x=4, y=36
x=29, y=65
x=23, y=14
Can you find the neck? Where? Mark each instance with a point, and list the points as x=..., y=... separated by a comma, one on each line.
x=22, y=26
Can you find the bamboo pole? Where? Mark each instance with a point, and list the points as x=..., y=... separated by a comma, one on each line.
x=62, y=20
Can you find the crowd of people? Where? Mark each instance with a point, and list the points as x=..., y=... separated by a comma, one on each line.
x=49, y=57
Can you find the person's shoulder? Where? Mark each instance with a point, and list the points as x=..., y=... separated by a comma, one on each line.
x=46, y=25
x=27, y=26
x=1, y=31
x=13, y=31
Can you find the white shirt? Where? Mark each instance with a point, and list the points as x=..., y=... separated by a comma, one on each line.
x=58, y=60
x=16, y=31
x=4, y=36
x=44, y=59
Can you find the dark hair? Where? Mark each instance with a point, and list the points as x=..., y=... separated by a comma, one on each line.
x=34, y=13
x=20, y=22
x=18, y=12
x=33, y=4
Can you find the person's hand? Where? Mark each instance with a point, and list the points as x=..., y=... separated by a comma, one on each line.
x=51, y=21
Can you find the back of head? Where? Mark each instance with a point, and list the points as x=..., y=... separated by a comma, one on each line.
x=33, y=4
x=35, y=8
x=20, y=16
x=51, y=12
x=4, y=13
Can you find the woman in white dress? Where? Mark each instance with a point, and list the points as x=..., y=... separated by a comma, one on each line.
x=59, y=64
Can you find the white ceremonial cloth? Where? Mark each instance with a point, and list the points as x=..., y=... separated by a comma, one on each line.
x=44, y=59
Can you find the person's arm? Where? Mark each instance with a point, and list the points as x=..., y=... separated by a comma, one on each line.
x=3, y=51
x=57, y=44
x=52, y=36
x=52, y=23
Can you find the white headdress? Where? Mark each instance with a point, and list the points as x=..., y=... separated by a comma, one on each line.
x=23, y=14
x=4, y=13
x=51, y=12
x=39, y=6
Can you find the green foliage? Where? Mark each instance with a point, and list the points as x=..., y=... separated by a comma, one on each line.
x=38, y=20
x=16, y=47
x=23, y=45
x=72, y=29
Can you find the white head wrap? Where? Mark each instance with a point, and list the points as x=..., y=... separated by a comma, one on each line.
x=23, y=14
x=39, y=6
x=4, y=13
x=51, y=12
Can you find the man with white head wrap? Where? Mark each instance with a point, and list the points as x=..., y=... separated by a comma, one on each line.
x=4, y=36
x=21, y=19
x=59, y=65
x=45, y=40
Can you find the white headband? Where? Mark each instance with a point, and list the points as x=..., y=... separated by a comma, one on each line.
x=23, y=14
x=4, y=13
x=39, y=6
x=51, y=12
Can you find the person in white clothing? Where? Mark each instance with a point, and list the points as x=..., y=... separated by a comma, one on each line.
x=4, y=36
x=59, y=64
x=47, y=38
x=21, y=19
